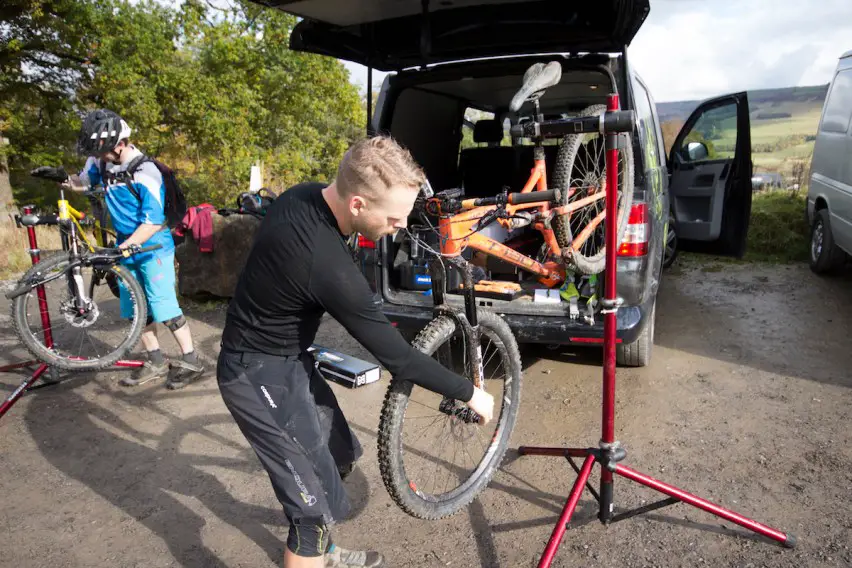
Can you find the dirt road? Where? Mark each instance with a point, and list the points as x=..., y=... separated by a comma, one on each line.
x=748, y=403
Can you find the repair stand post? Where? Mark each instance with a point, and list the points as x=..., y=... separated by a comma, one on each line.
x=609, y=452
x=35, y=256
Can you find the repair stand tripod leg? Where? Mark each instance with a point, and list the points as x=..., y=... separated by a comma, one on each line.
x=610, y=452
x=35, y=257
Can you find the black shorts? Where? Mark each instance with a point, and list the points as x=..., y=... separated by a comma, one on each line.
x=291, y=418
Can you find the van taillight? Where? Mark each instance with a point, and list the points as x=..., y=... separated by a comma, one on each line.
x=365, y=243
x=635, y=240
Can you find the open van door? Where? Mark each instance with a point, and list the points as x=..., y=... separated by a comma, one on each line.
x=710, y=184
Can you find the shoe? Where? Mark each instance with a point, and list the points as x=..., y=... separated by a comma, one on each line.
x=148, y=372
x=338, y=557
x=183, y=374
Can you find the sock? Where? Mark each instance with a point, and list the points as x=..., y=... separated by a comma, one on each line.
x=190, y=358
x=156, y=357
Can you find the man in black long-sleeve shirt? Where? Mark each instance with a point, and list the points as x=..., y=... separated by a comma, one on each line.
x=299, y=268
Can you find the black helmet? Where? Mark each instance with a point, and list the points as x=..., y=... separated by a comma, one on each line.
x=101, y=131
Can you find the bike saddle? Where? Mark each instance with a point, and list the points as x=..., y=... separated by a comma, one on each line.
x=537, y=78
x=47, y=172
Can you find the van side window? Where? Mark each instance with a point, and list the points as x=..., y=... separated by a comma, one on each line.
x=838, y=107
x=646, y=125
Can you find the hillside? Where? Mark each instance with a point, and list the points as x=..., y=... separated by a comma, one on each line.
x=783, y=124
x=760, y=101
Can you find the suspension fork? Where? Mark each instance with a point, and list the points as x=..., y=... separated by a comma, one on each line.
x=76, y=286
x=468, y=322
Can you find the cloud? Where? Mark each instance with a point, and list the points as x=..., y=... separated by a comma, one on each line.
x=692, y=50
x=695, y=49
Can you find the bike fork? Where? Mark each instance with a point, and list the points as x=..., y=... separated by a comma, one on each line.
x=76, y=286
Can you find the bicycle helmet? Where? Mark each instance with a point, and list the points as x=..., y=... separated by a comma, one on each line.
x=101, y=131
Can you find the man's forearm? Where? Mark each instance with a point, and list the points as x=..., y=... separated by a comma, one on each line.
x=141, y=235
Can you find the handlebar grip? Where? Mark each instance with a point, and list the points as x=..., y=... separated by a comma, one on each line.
x=533, y=197
x=149, y=248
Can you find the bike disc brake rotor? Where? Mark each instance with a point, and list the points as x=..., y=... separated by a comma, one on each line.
x=80, y=318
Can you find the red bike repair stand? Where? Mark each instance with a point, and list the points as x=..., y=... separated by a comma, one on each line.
x=609, y=452
x=35, y=255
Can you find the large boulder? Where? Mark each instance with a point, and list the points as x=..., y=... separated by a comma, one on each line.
x=203, y=275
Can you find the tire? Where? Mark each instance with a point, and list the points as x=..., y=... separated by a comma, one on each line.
x=112, y=282
x=587, y=262
x=33, y=341
x=638, y=353
x=825, y=256
x=403, y=490
x=670, y=244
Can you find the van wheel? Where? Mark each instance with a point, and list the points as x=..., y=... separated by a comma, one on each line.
x=825, y=256
x=638, y=353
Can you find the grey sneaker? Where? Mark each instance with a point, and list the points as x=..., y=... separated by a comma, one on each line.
x=342, y=558
x=148, y=372
x=183, y=373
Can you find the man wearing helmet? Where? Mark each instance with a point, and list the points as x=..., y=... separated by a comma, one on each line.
x=136, y=207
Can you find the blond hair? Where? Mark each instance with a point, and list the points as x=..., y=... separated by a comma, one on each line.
x=374, y=165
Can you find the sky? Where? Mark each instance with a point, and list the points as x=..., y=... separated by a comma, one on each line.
x=696, y=49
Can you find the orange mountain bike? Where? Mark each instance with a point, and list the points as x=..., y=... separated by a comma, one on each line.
x=569, y=220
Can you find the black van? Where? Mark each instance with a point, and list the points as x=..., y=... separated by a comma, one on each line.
x=454, y=67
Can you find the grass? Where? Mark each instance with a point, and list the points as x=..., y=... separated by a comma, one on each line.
x=778, y=231
x=14, y=241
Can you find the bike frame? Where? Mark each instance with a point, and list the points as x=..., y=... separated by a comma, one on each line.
x=459, y=231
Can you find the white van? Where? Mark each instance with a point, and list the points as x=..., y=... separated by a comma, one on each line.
x=830, y=180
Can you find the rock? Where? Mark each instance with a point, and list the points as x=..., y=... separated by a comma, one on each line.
x=203, y=275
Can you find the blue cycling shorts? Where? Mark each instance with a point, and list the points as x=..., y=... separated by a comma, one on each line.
x=156, y=275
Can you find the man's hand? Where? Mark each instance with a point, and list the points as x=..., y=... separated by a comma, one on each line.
x=483, y=404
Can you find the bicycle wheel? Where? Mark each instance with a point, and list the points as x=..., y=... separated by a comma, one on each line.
x=422, y=473
x=580, y=173
x=87, y=338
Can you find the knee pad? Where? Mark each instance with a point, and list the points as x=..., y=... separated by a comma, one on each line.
x=308, y=537
x=175, y=323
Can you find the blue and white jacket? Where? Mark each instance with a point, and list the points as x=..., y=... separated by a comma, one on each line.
x=126, y=211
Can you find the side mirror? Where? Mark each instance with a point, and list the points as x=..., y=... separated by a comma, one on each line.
x=695, y=151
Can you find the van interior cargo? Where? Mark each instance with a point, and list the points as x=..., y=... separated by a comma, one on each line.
x=456, y=126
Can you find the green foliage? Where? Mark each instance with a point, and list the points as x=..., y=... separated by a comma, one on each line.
x=208, y=90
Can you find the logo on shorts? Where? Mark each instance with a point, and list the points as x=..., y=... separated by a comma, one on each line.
x=309, y=499
x=268, y=398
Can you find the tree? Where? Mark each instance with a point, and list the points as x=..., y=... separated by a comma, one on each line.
x=670, y=130
x=210, y=90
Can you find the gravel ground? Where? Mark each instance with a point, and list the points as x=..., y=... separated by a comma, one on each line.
x=746, y=403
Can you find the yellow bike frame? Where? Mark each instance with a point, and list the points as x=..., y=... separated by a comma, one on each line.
x=67, y=212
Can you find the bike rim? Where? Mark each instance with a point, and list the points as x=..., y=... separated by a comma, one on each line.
x=442, y=456
x=588, y=182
